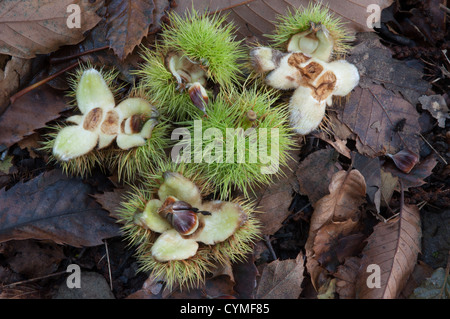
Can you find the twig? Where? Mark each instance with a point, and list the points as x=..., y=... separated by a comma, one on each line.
x=444, y=8
x=33, y=279
x=109, y=265
x=269, y=245
x=70, y=57
x=443, y=159
x=37, y=84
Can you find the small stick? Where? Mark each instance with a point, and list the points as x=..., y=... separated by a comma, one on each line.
x=269, y=245
x=37, y=84
x=33, y=279
x=70, y=57
x=109, y=266
x=443, y=159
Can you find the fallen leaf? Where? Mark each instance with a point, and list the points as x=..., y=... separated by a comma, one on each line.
x=416, y=176
x=375, y=103
x=275, y=200
x=111, y=201
x=376, y=66
x=436, y=105
x=388, y=184
x=12, y=76
x=244, y=273
x=243, y=13
x=128, y=23
x=281, y=279
x=339, y=145
x=421, y=272
x=347, y=192
x=30, y=112
x=435, y=287
x=393, y=246
x=33, y=259
x=314, y=173
x=335, y=216
x=54, y=207
x=346, y=276
x=151, y=289
x=159, y=14
x=370, y=168
x=31, y=27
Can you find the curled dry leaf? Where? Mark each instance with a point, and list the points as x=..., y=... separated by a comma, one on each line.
x=334, y=224
x=393, y=246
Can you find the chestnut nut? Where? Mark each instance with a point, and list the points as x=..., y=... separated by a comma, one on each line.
x=181, y=215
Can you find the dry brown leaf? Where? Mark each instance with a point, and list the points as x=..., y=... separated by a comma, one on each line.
x=12, y=76
x=393, y=246
x=110, y=201
x=436, y=105
x=275, y=200
x=244, y=274
x=31, y=27
x=370, y=168
x=388, y=184
x=255, y=18
x=339, y=145
x=346, y=278
x=347, y=192
x=282, y=279
x=54, y=207
x=30, y=112
x=338, y=211
x=376, y=65
x=382, y=120
x=128, y=22
x=314, y=174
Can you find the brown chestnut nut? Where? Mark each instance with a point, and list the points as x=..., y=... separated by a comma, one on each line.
x=181, y=215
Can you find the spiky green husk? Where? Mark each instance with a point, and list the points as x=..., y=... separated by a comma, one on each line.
x=208, y=39
x=190, y=272
x=298, y=20
x=229, y=111
x=203, y=38
x=131, y=163
x=161, y=85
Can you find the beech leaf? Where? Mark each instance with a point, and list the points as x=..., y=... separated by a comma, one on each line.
x=54, y=207
x=393, y=246
x=334, y=225
x=30, y=112
x=128, y=22
x=31, y=27
x=281, y=279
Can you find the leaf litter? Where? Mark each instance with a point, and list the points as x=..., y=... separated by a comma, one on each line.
x=342, y=187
